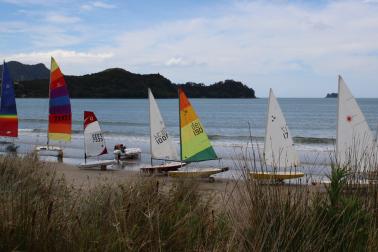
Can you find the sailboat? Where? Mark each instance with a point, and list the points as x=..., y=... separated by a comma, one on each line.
x=194, y=142
x=94, y=143
x=8, y=110
x=355, y=145
x=161, y=145
x=60, y=121
x=279, y=151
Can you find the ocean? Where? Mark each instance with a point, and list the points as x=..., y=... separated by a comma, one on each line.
x=230, y=123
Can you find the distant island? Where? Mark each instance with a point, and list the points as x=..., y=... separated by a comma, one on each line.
x=31, y=81
x=331, y=95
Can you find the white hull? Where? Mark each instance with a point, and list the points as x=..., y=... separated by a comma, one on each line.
x=163, y=168
x=130, y=153
x=47, y=150
x=96, y=164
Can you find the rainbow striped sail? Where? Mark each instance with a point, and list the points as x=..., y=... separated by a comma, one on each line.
x=8, y=110
x=60, y=122
x=195, y=145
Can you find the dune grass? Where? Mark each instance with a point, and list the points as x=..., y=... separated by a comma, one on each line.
x=41, y=212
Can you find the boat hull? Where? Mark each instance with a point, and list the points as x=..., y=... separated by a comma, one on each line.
x=130, y=153
x=275, y=175
x=163, y=168
x=198, y=173
x=102, y=164
x=45, y=150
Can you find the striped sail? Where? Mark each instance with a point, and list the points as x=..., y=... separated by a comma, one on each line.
x=8, y=110
x=60, y=123
x=195, y=145
x=93, y=138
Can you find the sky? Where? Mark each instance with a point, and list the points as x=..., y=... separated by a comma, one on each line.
x=296, y=47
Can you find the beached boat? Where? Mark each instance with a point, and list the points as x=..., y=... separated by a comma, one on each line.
x=356, y=148
x=279, y=151
x=8, y=111
x=194, y=142
x=121, y=152
x=94, y=143
x=161, y=145
x=60, y=121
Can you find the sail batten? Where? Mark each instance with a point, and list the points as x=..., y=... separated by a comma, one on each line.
x=8, y=109
x=60, y=121
x=161, y=143
x=195, y=144
x=279, y=148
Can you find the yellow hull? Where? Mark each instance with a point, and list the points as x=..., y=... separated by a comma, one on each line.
x=200, y=173
x=275, y=175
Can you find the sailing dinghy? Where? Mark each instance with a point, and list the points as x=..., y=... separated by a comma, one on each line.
x=60, y=121
x=8, y=111
x=94, y=143
x=194, y=142
x=279, y=151
x=355, y=145
x=161, y=145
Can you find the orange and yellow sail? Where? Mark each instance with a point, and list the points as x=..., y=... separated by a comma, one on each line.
x=60, y=122
x=195, y=145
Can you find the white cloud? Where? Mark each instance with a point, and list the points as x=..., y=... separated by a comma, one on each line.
x=260, y=41
x=70, y=60
x=62, y=19
x=97, y=4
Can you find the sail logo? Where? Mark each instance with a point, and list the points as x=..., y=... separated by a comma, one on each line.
x=197, y=128
x=161, y=136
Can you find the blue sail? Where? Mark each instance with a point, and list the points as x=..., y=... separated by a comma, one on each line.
x=8, y=110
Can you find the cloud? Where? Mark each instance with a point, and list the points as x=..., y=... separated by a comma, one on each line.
x=70, y=59
x=62, y=19
x=97, y=4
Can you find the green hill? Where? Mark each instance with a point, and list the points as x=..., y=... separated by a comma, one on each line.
x=119, y=83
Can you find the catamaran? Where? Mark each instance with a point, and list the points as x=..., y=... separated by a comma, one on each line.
x=279, y=151
x=355, y=145
x=94, y=143
x=161, y=145
x=194, y=142
x=60, y=121
x=8, y=110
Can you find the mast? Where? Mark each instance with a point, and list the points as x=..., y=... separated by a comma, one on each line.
x=149, y=114
x=337, y=122
x=266, y=125
x=178, y=92
x=48, y=123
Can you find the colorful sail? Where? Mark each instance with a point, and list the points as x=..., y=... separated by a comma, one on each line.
x=93, y=138
x=161, y=143
x=60, y=123
x=354, y=140
x=8, y=110
x=279, y=148
x=195, y=145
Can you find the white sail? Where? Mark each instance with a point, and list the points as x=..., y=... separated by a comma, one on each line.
x=93, y=138
x=355, y=143
x=161, y=143
x=279, y=149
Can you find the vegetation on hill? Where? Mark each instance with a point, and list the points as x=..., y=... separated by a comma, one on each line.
x=119, y=83
x=22, y=72
x=331, y=95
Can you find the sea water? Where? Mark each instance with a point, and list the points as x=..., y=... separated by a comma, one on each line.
x=232, y=124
